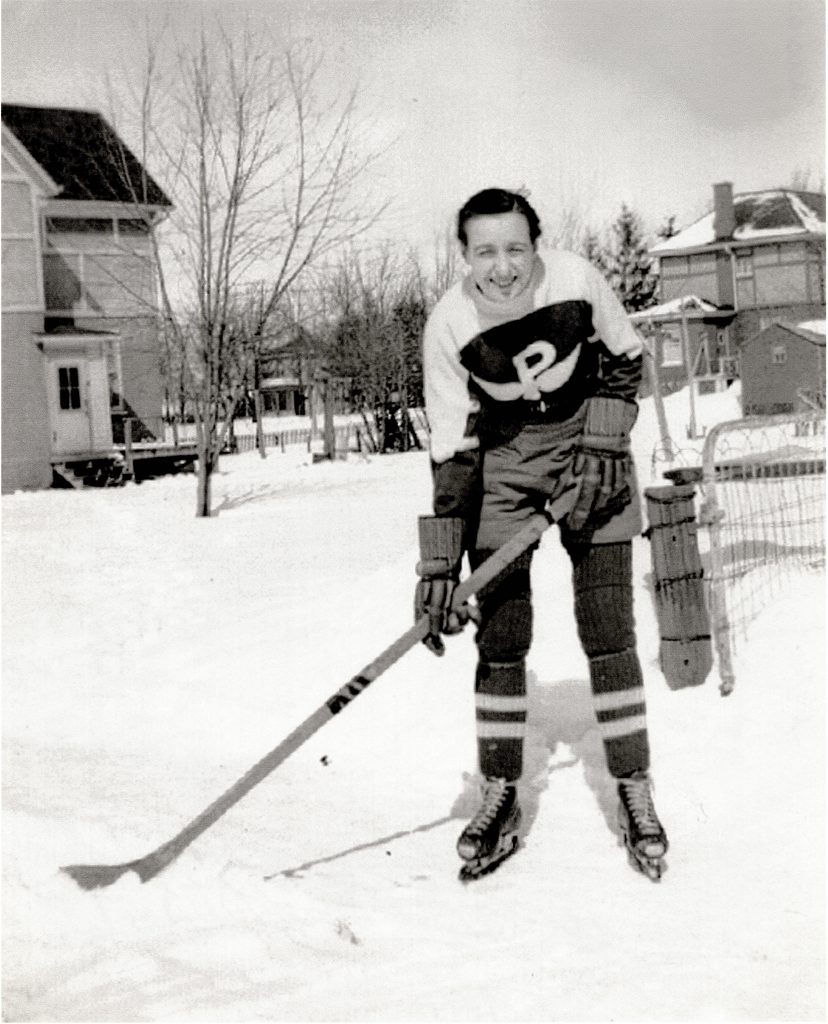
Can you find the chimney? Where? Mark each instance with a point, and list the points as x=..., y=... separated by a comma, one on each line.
x=724, y=217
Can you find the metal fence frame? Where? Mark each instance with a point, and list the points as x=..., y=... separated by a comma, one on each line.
x=744, y=468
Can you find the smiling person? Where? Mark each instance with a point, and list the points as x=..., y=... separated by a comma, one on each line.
x=531, y=372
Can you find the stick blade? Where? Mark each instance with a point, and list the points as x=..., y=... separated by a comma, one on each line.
x=96, y=876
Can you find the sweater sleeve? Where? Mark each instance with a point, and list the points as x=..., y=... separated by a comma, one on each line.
x=620, y=363
x=451, y=412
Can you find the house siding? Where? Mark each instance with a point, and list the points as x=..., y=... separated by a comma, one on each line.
x=21, y=279
x=25, y=421
x=25, y=443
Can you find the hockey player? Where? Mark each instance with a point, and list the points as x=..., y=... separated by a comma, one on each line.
x=531, y=373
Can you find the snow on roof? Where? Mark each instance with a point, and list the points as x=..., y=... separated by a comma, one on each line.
x=758, y=215
x=814, y=326
x=812, y=331
x=686, y=303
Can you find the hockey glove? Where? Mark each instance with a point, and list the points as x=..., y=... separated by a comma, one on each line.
x=602, y=466
x=441, y=551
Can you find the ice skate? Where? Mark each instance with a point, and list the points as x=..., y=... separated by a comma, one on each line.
x=643, y=833
x=491, y=836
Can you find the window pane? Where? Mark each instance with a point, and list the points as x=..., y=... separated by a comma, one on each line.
x=703, y=263
x=781, y=285
x=674, y=266
x=69, y=387
x=133, y=227
x=745, y=293
x=766, y=254
x=816, y=283
x=792, y=253
x=744, y=266
x=119, y=284
x=79, y=225
x=671, y=353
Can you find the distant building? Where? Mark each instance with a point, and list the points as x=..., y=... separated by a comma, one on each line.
x=755, y=259
x=783, y=369
x=689, y=332
x=80, y=346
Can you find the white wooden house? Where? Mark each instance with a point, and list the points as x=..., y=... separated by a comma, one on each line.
x=80, y=353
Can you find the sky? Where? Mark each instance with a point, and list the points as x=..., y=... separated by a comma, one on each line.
x=586, y=103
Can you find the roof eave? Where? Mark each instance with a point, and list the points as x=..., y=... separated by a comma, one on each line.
x=46, y=183
x=725, y=244
x=104, y=208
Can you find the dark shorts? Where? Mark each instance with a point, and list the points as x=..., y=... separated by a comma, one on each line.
x=529, y=474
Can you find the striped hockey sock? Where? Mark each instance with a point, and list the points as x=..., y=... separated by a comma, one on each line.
x=618, y=698
x=500, y=712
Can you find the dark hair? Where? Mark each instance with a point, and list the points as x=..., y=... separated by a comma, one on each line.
x=496, y=200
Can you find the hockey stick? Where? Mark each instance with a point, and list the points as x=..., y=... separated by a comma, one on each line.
x=96, y=876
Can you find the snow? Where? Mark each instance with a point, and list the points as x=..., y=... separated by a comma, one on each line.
x=814, y=326
x=150, y=658
x=690, y=303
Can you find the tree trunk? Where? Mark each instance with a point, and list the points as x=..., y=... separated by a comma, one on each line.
x=257, y=408
x=329, y=434
x=207, y=462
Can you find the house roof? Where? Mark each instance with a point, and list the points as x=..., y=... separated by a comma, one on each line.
x=759, y=216
x=22, y=160
x=812, y=331
x=82, y=153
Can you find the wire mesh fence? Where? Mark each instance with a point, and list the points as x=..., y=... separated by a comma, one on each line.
x=763, y=509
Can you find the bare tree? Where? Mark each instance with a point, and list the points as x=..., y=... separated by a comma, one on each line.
x=264, y=176
x=378, y=310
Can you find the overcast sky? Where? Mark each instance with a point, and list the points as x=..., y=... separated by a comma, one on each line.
x=585, y=102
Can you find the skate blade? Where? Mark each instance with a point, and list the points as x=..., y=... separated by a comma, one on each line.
x=652, y=867
x=475, y=869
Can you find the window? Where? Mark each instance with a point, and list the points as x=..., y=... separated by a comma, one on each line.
x=766, y=255
x=133, y=226
x=744, y=264
x=703, y=263
x=69, y=387
x=779, y=355
x=671, y=351
x=79, y=225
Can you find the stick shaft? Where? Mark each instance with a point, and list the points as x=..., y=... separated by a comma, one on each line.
x=154, y=862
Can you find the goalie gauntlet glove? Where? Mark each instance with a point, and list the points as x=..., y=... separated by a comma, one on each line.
x=602, y=466
x=441, y=552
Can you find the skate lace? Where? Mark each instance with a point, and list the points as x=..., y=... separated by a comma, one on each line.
x=494, y=793
x=639, y=802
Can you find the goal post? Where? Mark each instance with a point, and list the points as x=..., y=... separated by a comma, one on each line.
x=763, y=515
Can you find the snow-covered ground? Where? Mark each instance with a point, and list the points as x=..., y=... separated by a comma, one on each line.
x=150, y=658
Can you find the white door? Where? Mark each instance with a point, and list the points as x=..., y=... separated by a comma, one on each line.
x=70, y=406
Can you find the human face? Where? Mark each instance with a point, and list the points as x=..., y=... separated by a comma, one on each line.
x=500, y=254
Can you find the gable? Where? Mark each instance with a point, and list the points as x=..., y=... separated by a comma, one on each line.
x=19, y=165
x=81, y=152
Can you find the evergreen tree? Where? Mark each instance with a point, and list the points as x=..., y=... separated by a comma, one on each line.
x=629, y=266
x=593, y=250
